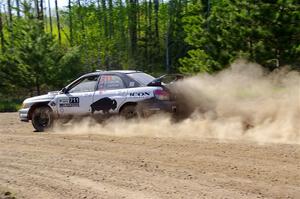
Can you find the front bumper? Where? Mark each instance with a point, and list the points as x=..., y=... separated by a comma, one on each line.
x=154, y=105
x=23, y=114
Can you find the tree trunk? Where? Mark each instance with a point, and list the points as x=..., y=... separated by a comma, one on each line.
x=50, y=18
x=81, y=18
x=9, y=13
x=37, y=85
x=167, y=53
x=120, y=30
x=132, y=26
x=99, y=17
x=138, y=18
x=58, y=22
x=83, y=41
x=18, y=8
x=150, y=17
x=104, y=13
x=10, y=25
x=146, y=33
x=70, y=23
x=41, y=14
x=1, y=32
x=156, y=7
x=167, y=39
x=111, y=19
x=37, y=8
x=149, y=35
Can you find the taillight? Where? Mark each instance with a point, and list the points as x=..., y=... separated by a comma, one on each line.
x=161, y=95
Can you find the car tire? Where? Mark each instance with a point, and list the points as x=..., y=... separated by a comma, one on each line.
x=42, y=118
x=129, y=112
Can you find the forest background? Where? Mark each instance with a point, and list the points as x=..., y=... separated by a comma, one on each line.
x=43, y=46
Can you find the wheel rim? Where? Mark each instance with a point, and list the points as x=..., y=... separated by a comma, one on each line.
x=43, y=118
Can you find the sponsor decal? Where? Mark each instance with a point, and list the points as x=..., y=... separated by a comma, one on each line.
x=63, y=101
x=69, y=102
x=139, y=94
x=131, y=84
x=52, y=103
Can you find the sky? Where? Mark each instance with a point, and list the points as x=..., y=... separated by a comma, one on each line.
x=61, y=3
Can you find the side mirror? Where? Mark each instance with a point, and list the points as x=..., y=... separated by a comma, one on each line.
x=64, y=90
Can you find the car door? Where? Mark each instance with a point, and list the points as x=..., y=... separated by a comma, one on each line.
x=78, y=97
x=110, y=94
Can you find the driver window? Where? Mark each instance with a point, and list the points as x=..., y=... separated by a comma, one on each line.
x=87, y=84
x=110, y=82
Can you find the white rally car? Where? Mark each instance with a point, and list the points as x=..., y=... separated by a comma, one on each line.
x=127, y=93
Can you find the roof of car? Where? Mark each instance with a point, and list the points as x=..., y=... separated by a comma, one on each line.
x=99, y=72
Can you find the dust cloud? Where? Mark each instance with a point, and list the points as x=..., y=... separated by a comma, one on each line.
x=243, y=102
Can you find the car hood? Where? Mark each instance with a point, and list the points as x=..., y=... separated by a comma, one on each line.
x=42, y=98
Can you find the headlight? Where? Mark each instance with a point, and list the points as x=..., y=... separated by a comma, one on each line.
x=25, y=105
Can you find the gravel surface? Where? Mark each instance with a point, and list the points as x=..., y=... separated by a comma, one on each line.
x=58, y=165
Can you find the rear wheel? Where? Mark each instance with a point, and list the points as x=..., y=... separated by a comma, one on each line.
x=129, y=111
x=42, y=118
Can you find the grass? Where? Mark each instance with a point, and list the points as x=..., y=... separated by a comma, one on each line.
x=10, y=105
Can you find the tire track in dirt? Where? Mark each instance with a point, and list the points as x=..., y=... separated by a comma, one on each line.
x=96, y=166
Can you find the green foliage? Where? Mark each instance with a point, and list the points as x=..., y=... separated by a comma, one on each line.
x=37, y=62
x=266, y=32
x=198, y=61
x=153, y=36
x=10, y=105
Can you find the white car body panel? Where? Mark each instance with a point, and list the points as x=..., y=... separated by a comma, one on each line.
x=85, y=102
x=67, y=104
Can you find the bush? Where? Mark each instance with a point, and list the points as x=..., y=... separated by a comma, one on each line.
x=10, y=105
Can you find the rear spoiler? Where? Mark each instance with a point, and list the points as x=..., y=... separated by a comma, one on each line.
x=166, y=79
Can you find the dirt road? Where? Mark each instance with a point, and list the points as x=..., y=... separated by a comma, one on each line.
x=57, y=165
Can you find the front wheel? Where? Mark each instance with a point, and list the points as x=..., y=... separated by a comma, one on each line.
x=42, y=118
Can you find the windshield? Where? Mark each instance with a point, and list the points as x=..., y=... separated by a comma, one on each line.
x=142, y=78
x=85, y=84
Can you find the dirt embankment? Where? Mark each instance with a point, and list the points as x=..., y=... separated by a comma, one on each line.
x=63, y=165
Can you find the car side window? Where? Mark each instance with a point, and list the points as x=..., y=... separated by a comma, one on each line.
x=86, y=84
x=110, y=82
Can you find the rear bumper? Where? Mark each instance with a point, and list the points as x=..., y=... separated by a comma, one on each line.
x=23, y=114
x=154, y=105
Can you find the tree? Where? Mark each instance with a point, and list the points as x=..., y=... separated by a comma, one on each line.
x=150, y=35
x=50, y=18
x=111, y=19
x=247, y=29
x=38, y=62
x=2, y=41
x=70, y=22
x=58, y=22
x=175, y=44
x=104, y=14
x=156, y=9
x=203, y=34
x=10, y=24
x=41, y=14
x=18, y=8
x=132, y=17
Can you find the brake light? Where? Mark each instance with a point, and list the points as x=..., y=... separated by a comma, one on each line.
x=161, y=95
